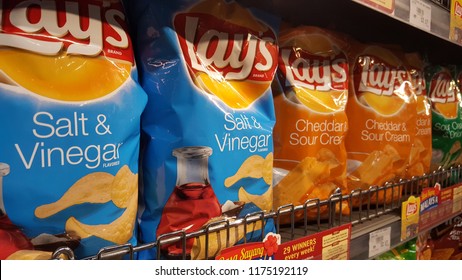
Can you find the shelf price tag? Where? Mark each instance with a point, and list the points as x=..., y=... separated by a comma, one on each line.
x=379, y=241
x=420, y=14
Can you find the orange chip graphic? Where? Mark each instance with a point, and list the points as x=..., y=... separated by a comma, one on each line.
x=384, y=105
x=448, y=110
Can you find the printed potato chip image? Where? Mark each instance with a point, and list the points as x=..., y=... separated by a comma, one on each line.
x=119, y=231
x=263, y=201
x=220, y=240
x=92, y=188
x=30, y=255
x=255, y=167
x=124, y=187
x=69, y=81
x=310, y=98
x=212, y=68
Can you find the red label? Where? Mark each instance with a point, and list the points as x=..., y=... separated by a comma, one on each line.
x=224, y=49
x=411, y=209
x=250, y=251
x=333, y=243
x=303, y=69
x=87, y=27
x=442, y=89
x=374, y=75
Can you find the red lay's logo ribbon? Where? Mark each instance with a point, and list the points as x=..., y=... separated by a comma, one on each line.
x=443, y=95
x=80, y=27
x=234, y=58
x=441, y=88
x=378, y=77
x=302, y=69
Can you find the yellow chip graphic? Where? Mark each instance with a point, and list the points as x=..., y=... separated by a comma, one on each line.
x=254, y=167
x=448, y=110
x=124, y=186
x=65, y=77
x=92, y=188
x=384, y=105
x=119, y=231
x=220, y=240
x=30, y=255
x=264, y=201
x=235, y=94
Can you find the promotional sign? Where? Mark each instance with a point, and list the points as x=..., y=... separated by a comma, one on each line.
x=332, y=244
x=387, y=6
x=410, y=217
x=455, y=24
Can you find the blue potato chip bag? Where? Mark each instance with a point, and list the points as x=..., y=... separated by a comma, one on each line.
x=207, y=67
x=70, y=107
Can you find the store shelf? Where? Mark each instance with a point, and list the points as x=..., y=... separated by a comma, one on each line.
x=368, y=24
x=439, y=16
x=365, y=219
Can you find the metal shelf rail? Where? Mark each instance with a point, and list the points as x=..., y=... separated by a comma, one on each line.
x=394, y=193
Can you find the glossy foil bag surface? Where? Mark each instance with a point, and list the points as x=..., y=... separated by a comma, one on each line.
x=421, y=151
x=70, y=108
x=445, y=96
x=381, y=112
x=207, y=67
x=311, y=122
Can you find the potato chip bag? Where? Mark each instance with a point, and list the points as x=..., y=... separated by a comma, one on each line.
x=207, y=67
x=311, y=122
x=446, y=100
x=421, y=150
x=381, y=113
x=70, y=105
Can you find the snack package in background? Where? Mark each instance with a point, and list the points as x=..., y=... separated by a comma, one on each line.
x=207, y=67
x=446, y=116
x=406, y=251
x=421, y=150
x=443, y=242
x=311, y=122
x=71, y=107
x=381, y=112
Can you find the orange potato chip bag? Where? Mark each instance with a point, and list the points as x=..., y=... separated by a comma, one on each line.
x=382, y=115
x=421, y=151
x=311, y=122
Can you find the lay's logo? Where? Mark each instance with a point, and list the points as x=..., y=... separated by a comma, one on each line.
x=378, y=77
x=442, y=89
x=302, y=69
x=225, y=49
x=411, y=209
x=229, y=54
x=47, y=27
